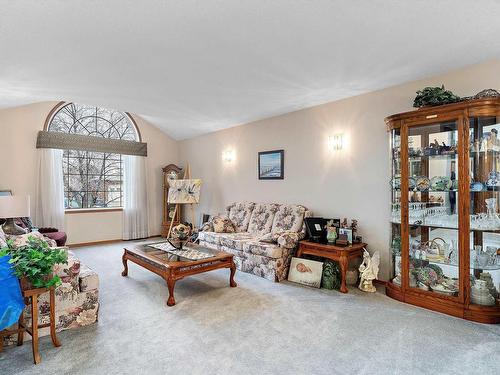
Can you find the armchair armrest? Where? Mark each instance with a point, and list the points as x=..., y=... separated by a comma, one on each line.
x=48, y=230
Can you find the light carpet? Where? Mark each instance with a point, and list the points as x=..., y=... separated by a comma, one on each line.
x=259, y=327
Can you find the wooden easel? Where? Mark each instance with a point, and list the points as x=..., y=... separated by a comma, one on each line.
x=187, y=176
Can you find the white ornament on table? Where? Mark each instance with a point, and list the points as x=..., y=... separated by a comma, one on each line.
x=368, y=271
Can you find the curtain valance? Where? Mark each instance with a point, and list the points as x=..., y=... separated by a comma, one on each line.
x=64, y=141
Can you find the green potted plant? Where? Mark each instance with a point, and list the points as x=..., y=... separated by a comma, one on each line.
x=33, y=263
x=431, y=96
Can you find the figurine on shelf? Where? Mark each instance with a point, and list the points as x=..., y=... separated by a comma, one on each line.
x=493, y=143
x=368, y=271
x=354, y=228
x=344, y=223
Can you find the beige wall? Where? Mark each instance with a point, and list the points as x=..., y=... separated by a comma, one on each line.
x=352, y=183
x=18, y=130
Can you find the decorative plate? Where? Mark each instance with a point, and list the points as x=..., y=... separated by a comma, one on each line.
x=440, y=183
x=412, y=182
x=396, y=182
x=423, y=183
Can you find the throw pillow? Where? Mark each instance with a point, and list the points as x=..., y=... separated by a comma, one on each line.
x=288, y=239
x=223, y=225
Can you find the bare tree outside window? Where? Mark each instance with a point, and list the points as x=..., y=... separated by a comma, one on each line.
x=92, y=179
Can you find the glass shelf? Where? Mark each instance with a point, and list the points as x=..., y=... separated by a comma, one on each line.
x=431, y=225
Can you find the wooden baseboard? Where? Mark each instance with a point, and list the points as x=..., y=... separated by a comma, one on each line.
x=380, y=282
x=102, y=242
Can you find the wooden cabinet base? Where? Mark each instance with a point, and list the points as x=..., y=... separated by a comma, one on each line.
x=476, y=313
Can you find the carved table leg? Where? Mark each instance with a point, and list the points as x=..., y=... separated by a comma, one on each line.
x=171, y=285
x=232, y=283
x=344, y=263
x=53, y=336
x=20, y=327
x=34, y=329
x=125, y=266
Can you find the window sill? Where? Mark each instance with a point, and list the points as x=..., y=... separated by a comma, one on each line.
x=91, y=210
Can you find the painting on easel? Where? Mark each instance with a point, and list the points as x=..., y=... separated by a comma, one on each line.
x=184, y=191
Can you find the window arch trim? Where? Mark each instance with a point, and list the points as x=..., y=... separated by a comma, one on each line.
x=61, y=104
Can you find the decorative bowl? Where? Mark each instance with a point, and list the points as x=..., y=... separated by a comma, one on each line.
x=476, y=186
x=423, y=183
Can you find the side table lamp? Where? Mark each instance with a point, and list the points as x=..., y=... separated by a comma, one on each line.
x=12, y=207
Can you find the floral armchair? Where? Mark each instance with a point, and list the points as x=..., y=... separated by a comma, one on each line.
x=77, y=298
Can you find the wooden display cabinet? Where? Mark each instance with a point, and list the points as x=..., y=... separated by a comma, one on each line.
x=445, y=225
x=170, y=172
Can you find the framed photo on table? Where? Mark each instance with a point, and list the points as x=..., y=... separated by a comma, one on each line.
x=271, y=165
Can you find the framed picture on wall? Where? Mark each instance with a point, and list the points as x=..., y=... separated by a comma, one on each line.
x=271, y=165
x=5, y=193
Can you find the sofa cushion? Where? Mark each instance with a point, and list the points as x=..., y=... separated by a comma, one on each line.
x=262, y=248
x=210, y=237
x=261, y=219
x=222, y=225
x=240, y=213
x=236, y=240
x=288, y=218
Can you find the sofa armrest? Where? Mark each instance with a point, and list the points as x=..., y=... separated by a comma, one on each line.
x=288, y=240
x=207, y=227
x=69, y=272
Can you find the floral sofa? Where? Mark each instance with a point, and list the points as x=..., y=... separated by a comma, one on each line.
x=77, y=298
x=264, y=239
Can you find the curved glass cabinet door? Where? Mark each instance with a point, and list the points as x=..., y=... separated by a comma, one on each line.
x=484, y=158
x=395, y=244
x=433, y=254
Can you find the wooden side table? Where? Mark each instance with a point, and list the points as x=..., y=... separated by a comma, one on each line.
x=341, y=254
x=31, y=296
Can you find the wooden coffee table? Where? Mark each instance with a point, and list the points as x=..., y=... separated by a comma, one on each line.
x=173, y=268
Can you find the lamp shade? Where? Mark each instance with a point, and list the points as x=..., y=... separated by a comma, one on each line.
x=14, y=206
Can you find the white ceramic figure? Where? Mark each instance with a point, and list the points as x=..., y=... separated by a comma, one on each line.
x=368, y=271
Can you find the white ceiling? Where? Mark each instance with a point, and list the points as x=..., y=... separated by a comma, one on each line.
x=192, y=67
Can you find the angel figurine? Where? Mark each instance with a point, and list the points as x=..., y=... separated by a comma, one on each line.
x=369, y=271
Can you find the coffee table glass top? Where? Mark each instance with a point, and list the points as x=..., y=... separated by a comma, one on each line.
x=190, y=252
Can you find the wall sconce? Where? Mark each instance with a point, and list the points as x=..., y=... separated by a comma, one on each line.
x=336, y=142
x=228, y=156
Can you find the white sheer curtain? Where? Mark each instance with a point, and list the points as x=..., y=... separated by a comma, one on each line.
x=49, y=193
x=135, y=207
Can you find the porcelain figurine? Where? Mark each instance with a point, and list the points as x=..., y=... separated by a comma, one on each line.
x=368, y=271
x=493, y=142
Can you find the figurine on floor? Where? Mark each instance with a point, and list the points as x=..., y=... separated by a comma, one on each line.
x=368, y=271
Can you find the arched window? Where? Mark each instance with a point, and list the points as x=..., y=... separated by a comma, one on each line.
x=92, y=179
